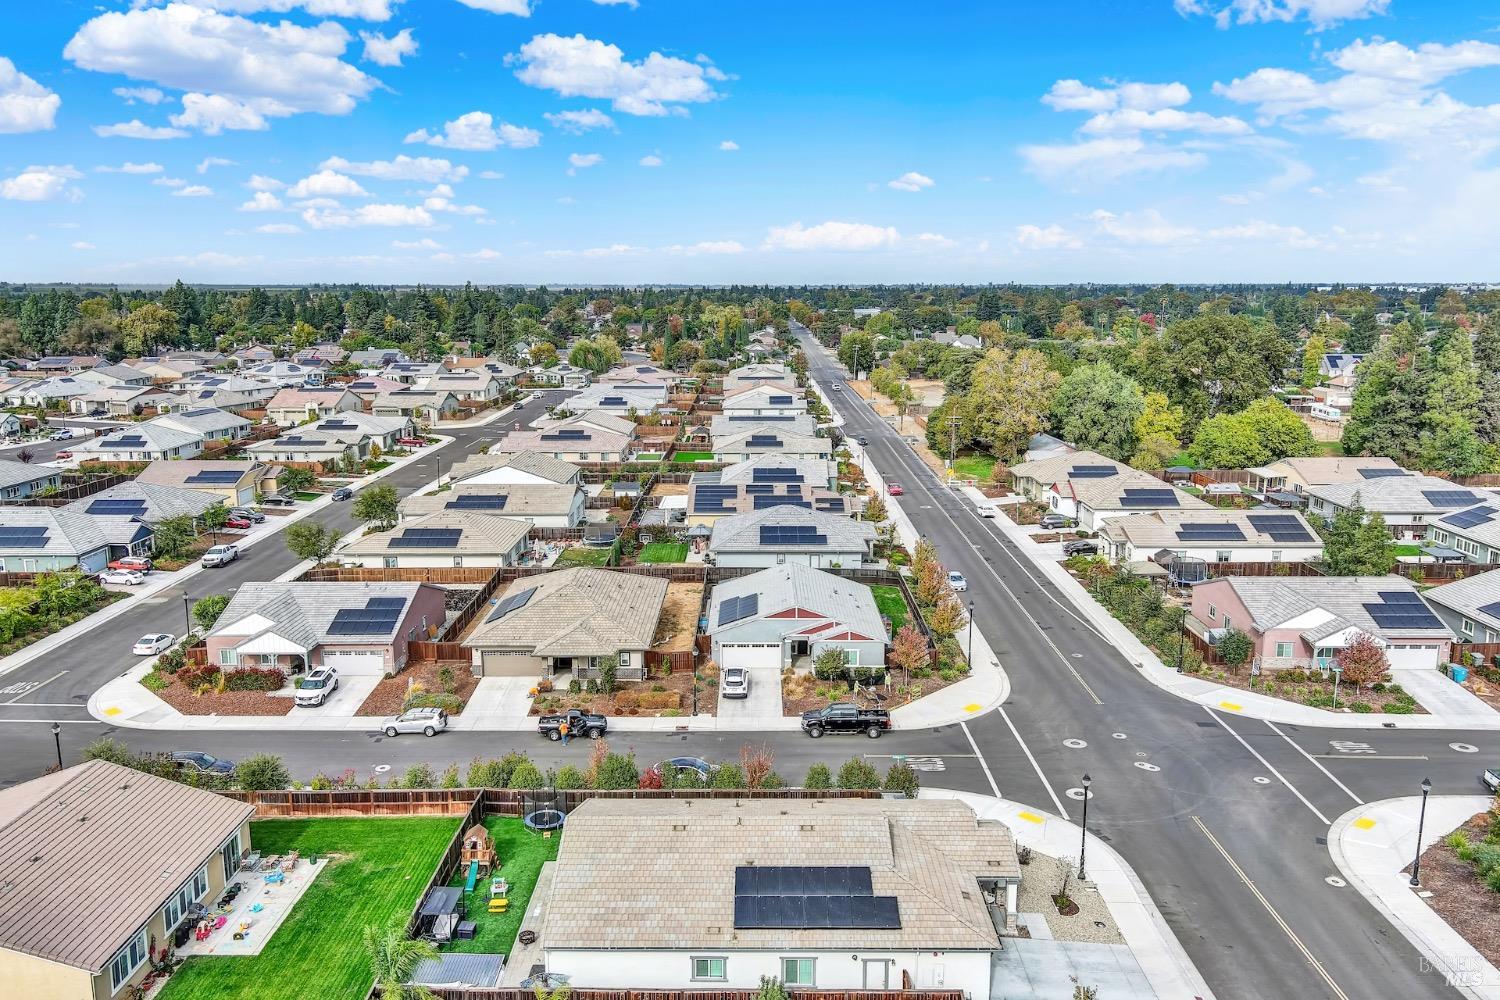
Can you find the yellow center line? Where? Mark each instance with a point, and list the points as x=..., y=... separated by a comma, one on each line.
x=1312, y=960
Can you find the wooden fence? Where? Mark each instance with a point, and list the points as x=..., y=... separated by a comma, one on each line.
x=73, y=488
x=436, y=652
x=399, y=574
x=501, y=993
x=1442, y=572
x=679, y=662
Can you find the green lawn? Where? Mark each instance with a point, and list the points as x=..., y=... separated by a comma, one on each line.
x=1329, y=448
x=1407, y=550
x=891, y=604
x=693, y=456
x=309, y=496
x=583, y=555
x=664, y=552
x=1182, y=458
x=650, y=456
x=380, y=868
x=521, y=853
x=980, y=467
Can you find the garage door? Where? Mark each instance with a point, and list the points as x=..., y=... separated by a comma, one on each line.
x=499, y=664
x=1404, y=655
x=355, y=661
x=750, y=654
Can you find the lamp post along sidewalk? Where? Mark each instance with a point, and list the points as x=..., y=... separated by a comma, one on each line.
x=1083, y=845
x=1416, y=864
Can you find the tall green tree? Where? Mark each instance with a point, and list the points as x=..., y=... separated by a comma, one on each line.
x=1357, y=545
x=1009, y=398
x=857, y=352
x=393, y=959
x=1212, y=363
x=1096, y=407
x=1158, y=432
x=311, y=540
x=377, y=504
x=1312, y=359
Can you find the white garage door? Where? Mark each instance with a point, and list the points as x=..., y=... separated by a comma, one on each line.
x=365, y=662
x=1403, y=655
x=502, y=664
x=750, y=654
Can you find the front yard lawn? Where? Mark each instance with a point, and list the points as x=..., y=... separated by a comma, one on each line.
x=693, y=456
x=308, y=496
x=977, y=467
x=520, y=854
x=583, y=555
x=892, y=605
x=378, y=869
x=664, y=552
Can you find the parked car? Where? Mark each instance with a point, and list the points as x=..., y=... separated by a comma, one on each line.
x=277, y=500
x=221, y=555
x=837, y=387
x=64, y=434
x=150, y=645
x=702, y=768
x=734, y=682
x=122, y=577
x=61, y=455
x=1054, y=521
x=844, y=717
x=245, y=513
x=427, y=721
x=237, y=523
x=99, y=411
x=1080, y=547
x=412, y=442
x=989, y=510
x=138, y=563
x=894, y=488
x=315, y=688
x=203, y=763
x=957, y=581
x=342, y=493
x=580, y=723
x=1491, y=778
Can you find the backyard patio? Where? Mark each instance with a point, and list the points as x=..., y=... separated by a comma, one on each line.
x=269, y=888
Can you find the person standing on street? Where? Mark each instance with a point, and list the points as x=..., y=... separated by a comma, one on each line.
x=564, y=730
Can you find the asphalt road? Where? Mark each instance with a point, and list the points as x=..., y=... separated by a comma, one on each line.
x=45, y=451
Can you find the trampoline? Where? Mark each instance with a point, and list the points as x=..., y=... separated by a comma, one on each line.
x=545, y=819
x=542, y=809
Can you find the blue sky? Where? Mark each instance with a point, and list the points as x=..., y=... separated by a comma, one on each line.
x=293, y=141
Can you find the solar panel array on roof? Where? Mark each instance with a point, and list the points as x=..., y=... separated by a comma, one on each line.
x=1092, y=471
x=1492, y=609
x=1473, y=517
x=128, y=441
x=1381, y=473
x=297, y=439
x=385, y=602
x=791, y=534
x=361, y=385
x=1281, y=527
x=365, y=621
x=124, y=508
x=775, y=476
x=427, y=538
x=337, y=425
x=762, y=502
x=811, y=898
x=1209, y=532
x=759, y=489
x=1144, y=497
x=567, y=434
x=712, y=499
x=738, y=609
x=612, y=401
x=783, y=880
x=830, y=504
x=751, y=418
x=781, y=400
x=199, y=412
x=478, y=501
x=215, y=477
x=765, y=441
x=23, y=538
x=510, y=604
x=1451, y=498
x=1401, y=609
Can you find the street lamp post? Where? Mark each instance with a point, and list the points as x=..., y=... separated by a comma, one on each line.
x=57, y=741
x=1338, y=672
x=970, y=653
x=1084, y=840
x=1181, y=638
x=187, y=613
x=1416, y=864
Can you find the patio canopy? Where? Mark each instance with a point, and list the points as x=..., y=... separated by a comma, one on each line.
x=441, y=900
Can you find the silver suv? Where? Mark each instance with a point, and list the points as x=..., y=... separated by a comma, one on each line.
x=427, y=721
x=315, y=688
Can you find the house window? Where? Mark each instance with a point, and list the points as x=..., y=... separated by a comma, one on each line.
x=229, y=854
x=624, y=658
x=1441, y=537
x=1213, y=612
x=1223, y=555
x=127, y=961
x=194, y=889
x=1226, y=621
x=458, y=560
x=1276, y=555
x=424, y=624
x=1283, y=650
x=797, y=971
x=228, y=657
x=708, y=969
x=389, y=561
x=1468, y=628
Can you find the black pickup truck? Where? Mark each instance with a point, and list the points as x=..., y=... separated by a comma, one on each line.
x=580, y=723
x=842, y=717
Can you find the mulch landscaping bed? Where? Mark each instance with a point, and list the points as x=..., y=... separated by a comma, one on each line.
x=681, y=682
x=390, y=694
x=1458, y=894
x=801, y=696
x=1271, y=684
x=228, y=703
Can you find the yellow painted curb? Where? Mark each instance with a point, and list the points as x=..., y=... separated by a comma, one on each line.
x=1364, y=823
x=111, y=711
x=1030, y=817
x=1231, y=706
x=972, y=708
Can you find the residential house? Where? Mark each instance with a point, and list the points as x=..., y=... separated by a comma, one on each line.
x=759, y=374
x=112, y=375
x=1472, y=534
x=1305, y=621
x=1407, y=503
x=791, y=612
x=65, y=364
x=306, y=447
x=1094, y=489
x=369, y=387
x=322, y=354
x=161, y=847
x=376, y=359
x=412, y=372
x=1042, y=446
x=365, y=428
x=147, y=442
x=747, y=444
x=1298, y=475
x=125, y=400
x=291, y=407
x=587, y=437
x=764, y=481
x=788, y=533
x=1469, y=607
x=1188, y=540
x=765, y=401
x=637, y=375
x=427, y=406
x=18, y=480
x=210, y=423
x=166, y=369
x=260, y=390
x=47, y=393
x=517, y=468
x=967, y=342
x=474, y=385
x=570, y=620
x=906, y=884
x=563, y=375
x=360, y=628
x=1332, y=366
x=150, y=503
x=545, y=505
x=285, y=373
x=235, y=482
x=48, y=539
x=610, y=398
x=728, y=425
x=445, y=538
x=508, y=375
x=11, y=425
x=1035, y=479
x=255, y=354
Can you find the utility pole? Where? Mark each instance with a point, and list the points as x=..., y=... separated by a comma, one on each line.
x=952, y=440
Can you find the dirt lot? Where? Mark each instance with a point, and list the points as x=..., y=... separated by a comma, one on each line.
x=669, y=490
x=391, y=692
x=1459, y=896
x=679, y=618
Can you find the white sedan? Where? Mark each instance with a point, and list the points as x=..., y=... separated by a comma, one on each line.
x=150, y=645
x=122, y=577
x=957, y=582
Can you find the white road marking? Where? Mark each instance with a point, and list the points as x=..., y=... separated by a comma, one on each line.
x=1357, y=800
x=1061, y=809
x=988, y=774
x=1281, y=777
x=26, y=687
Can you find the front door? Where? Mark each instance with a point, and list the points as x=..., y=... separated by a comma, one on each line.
x=877, y=974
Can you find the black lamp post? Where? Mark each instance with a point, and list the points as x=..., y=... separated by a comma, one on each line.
x=970, y=654
x=57, y=741
x=1084, y=840
x=1416, y=864
x=1181, y=638
x=187, y=612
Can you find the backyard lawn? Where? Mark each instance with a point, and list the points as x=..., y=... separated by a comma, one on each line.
x=693, y=456
x=521, y=854
x=1407, y=550
x=583, y=555
x=380, y=867
x=664, y=552
x=649, y=456
x=980, y=467
x=891, y=604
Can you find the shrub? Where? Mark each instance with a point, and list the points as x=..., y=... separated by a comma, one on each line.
x=321, y=782
x=255, y=679
x=1361, y=707
x=728, y=776
x=574, y=687
x=857, y=773
x=818, y=776
x=569, y=777
x=949, y=676
x=194, y=677
x=771, y=780
x=526, y=775
x=450, y=777
x=618, y=771
x=1400, y=708
x=419, y=776
x=627, y=699
x=155, y=681
x=659, y=699
x=902, y=778
x=263, y=772
x=171, y=661
x=450, y=703
x=445, y=679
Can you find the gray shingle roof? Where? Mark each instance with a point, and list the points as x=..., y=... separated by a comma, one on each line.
x=304, y=612
x=530, y=462
x=1159, y=529
x=1055, y=470
x=1397, y=494
x=792, y=585
x=69, y=532
x=1469, y=595
x=162, y=502
x=481, y=535
x=1274, y=601
x=576, y=612
x=742, y=532
x=17, y=473
x=533, y=499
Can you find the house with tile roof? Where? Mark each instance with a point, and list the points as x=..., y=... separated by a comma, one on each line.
x=791, y=612
x=53, y=539
x=284, y=373
x=564, y=375
x=1470, y=534
x=162, y=847
x=570, y=620
x=786, y=533
x=1408, y=503
x=474, y=385
x=254, y=354
x=758, y=482
x=617, y=400
x=1094, y=489
x=47, y=392
x=759, y=373
x=234, y=481
x=745, y=445
x=376, y=358
x=425, y=406
x=904, y=888
x=293, y=406
x=723, y=426
x=586, y=437
x=765, y=401
x=125, y=400
x=211, y=423
x=545, y=505
x=115, y=375
x=448, y=537
x=367, y=387
x=1211, y=536
x=516, y=468
x=412, y=372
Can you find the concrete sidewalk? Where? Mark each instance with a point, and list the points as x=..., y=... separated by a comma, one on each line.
x=1451, y=713
x=1374, y=842
x=1161, y=956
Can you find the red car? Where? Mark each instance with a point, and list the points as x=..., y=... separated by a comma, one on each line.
x=894, y=488
x=237, y=522
x=411, y=442
x=138, y=563
x=63, y=454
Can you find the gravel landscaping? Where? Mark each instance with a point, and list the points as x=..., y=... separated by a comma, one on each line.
x=1459, y=893
x=1041, y=879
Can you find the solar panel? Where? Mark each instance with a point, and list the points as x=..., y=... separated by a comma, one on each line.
x=763, y=502
x=765, y=441
x=479, y=501
x=222, y=477
x=1381, y=473
x=385, y=602
x=23, y=538
x=364, y=621
x=745, y=417
x=1092, y=472
x=781, y=400
x=127, y=508
x=128, y=441
x=1492, y=609
x=1399, y=597
x=1470, y=518
x=795, y=880
x=1401, y=609
x=612, y=401
x=817, y=912
x=830, y=504
x=791, y=534
x=1149, y=498
x=760, y=488
x=427, y=538
x=1291, y=535
x=775, y=476
x=737, y=609
x=1450, y=498
x=511, y=603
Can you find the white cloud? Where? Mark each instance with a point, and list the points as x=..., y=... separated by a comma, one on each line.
x=41, y=184
x=429, y=169
x=579, y=122
x=425, y=243
x=707, y=247
x=831, y=235
x=585, y=67
x=264, y=201
x=260, y=182
x=1148, y=228
x=214, y=161
x=1053, y=237
x=1128, y=121
x=729, y=146
x=278, y=229
x=491, y=175
x=934, y=241
x=25, y=105
x=477, y=131
x=388, y=51
x=366, y=215
x=131, y=168
x=361, y=10
x=319, y=203
x=910, y=181
x=327, y=184
x=651, y=160
x=483, y=253
x=1151, y=228
x=520, y=8
x=137, y=129
x=582, y=161
x=169, y=182
x=439, y=199
x=1106, y=159
x=1321, y=13
x=146, y=95
x=624, y=3
x=1074, y=95
x=193, y=191
x=613, y=250
x=82, y=245
x=238, y=72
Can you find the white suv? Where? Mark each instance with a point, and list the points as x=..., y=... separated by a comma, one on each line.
x=315, y=688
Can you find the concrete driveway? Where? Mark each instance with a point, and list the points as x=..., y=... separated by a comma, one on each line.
x=764, y=701
x=351, y=693
x=1048, y=970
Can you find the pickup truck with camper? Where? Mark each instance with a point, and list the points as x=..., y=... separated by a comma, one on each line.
x=845, y=718
x=580, y=723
